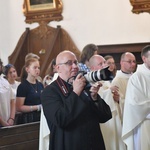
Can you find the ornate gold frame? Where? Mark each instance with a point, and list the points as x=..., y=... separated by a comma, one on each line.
x=140, y=6
x=48, y=11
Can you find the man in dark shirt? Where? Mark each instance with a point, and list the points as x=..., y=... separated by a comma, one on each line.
x=73, y=112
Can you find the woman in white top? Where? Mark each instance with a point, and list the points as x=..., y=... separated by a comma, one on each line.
x=7, y=102
x=11, y=75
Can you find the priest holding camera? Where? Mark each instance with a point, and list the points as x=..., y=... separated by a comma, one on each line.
x=73, y=112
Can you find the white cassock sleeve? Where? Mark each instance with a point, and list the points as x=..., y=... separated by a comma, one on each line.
x=44, y=133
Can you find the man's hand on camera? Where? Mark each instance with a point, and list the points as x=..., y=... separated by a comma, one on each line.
x=94, y=90
x=79, y=84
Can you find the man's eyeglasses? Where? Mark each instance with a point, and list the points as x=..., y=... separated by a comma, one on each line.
x=130, y=61
x=69, y=63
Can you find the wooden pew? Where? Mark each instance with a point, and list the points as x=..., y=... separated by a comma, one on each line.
x=20, y=137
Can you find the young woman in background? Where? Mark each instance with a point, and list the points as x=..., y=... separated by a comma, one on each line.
x=12, y=77
x=7, y=102
x=28, y=100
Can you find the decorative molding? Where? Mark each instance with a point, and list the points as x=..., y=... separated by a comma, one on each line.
x=140, y=6
x=43, y=30
x=47, y=12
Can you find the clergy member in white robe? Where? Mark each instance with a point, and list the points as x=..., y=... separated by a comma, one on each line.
x=121, y=81
x=137, y=109
x=128, y=66
x=112, y=129
x=136, y=119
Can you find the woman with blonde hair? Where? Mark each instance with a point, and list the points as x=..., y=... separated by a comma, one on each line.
x=28, y=100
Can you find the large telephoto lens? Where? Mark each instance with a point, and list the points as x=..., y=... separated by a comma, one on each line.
x=103, y=74
x=93, y=76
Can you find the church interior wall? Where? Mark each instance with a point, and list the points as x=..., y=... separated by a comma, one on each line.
x=99, y=22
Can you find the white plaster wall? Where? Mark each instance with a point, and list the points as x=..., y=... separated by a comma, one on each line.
x=87, y=21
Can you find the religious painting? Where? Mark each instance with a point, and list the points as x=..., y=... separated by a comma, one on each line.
x=42, y=10
x=34, y=5
x=37, y=2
